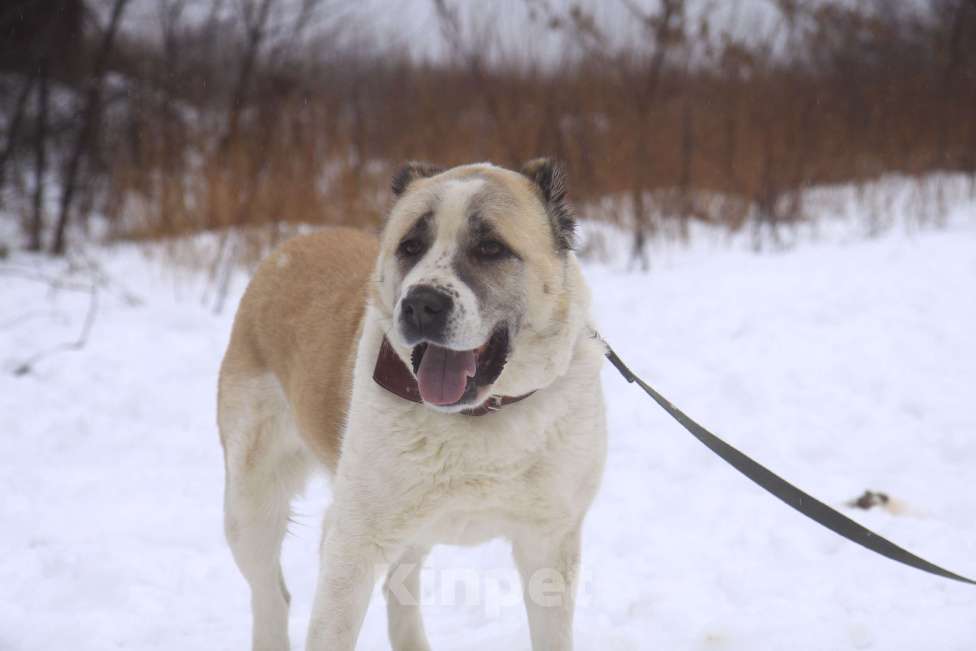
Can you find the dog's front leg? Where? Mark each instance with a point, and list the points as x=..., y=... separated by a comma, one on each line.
x=350, y=566
x=549, y=565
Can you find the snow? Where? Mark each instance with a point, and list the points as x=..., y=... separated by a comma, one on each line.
x=843, y=363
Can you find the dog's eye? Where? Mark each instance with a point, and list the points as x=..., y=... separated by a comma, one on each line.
x=490, y=249
x=410, y=247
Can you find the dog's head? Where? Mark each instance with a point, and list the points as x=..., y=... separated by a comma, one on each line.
x=477, y=281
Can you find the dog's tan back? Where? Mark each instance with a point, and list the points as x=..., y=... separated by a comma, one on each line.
x=299, y=321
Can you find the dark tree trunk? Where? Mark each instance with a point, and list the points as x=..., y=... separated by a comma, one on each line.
x=36, y=225
x=13, y=130
x=86, y=132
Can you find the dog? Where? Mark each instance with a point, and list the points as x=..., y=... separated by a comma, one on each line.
x=446, y=375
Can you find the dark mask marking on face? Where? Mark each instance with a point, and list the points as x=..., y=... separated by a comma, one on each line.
x=494, y=279
x=415, y=243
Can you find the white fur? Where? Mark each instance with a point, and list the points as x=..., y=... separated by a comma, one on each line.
x=410, y=476
x=258, y=493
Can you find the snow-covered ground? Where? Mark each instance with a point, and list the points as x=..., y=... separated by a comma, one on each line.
x=844, y=364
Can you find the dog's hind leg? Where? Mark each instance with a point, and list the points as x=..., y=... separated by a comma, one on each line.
x=402, y=592
x=266, y=465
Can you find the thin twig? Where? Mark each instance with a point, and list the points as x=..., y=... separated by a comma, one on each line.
x=27, y=365
x=27, y=316
x=97, y=280
x=52, y=281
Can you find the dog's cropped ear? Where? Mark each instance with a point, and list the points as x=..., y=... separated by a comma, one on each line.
x=411, y=172
x=550, y=178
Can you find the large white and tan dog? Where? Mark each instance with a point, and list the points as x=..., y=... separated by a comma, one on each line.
x=446, y=377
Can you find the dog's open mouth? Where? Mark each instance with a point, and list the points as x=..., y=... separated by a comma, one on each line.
x=449, y=377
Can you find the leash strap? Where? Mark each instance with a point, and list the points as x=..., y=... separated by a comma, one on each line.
x=782, y=489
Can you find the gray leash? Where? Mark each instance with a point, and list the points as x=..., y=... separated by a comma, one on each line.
x=782, y=489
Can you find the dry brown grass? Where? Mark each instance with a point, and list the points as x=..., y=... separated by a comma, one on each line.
x=314, y=138
x=756, y=139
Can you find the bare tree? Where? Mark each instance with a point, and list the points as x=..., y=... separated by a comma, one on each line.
x=86, y=132
x=665, y=28
x=36, y=224
x=472, y=50
x=14, y=125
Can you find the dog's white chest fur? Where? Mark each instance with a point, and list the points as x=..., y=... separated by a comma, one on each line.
x=458, y=479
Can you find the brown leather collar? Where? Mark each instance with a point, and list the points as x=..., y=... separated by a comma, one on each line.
x=394, y=376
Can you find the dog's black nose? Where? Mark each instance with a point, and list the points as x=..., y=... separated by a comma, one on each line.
x=424, y=311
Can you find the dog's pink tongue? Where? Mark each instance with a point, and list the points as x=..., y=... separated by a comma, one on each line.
x=444, y=373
